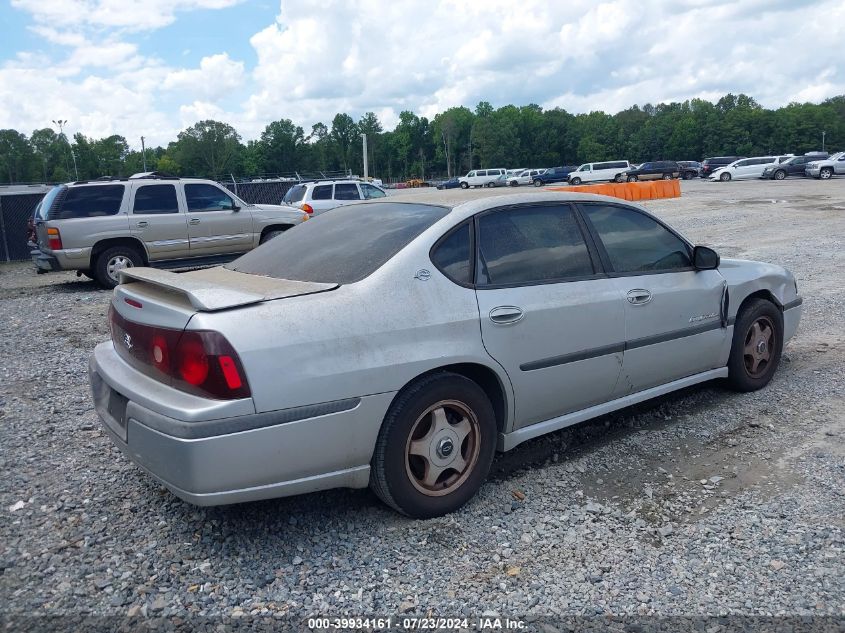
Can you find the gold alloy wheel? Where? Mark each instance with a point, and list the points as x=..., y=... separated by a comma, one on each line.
x=757, y=353
x=442, y=448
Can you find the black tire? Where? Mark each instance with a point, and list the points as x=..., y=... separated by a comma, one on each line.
x=780, y=174
x=490, y=184
x=464, y=185
x=111, y=260
x=392, y=476
x=632, y=179
x=269, y=235
x=688, y=175
x=725, y=176
x=575, y=181
x=619, y=178
x=826, y=173
x=667, y=176
x=538, y=183
x=87, y=274
x=742, y=374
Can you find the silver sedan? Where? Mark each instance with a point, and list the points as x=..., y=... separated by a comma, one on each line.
x=399, y=345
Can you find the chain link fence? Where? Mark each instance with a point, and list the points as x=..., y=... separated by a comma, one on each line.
x=16, y=207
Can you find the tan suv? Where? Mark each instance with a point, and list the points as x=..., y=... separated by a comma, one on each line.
x=100, y=227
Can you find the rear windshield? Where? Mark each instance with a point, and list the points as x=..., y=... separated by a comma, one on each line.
x=341, y=246
x=294, y=194
x=88, y=202
x=47, y=202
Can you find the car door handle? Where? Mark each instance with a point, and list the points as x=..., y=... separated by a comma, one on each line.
x=142, y=224
x=194, y=221
x=639, y=296
x=506, y=315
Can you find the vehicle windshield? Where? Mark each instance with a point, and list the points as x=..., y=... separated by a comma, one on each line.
x=343, y=245
x=47, y=202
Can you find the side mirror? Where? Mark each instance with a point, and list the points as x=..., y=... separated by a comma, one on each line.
x=704, y=258
x=235, y=207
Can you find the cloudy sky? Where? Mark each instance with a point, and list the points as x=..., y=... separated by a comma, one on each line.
x=155, y=67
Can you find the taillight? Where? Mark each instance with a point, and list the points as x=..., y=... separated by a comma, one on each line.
x=307, y=208
x=54, y=239
x=202, y=362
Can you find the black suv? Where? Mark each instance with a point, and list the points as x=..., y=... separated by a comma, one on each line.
x=712, y=164
x=792, y=167
x=655, y=170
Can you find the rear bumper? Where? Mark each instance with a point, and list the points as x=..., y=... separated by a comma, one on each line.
x=67, y=259
x=237, y=458
x=44, y=262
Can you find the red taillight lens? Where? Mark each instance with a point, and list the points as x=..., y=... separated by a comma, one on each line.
x=307, y=208
x=54, y=239
x=192, y=361
x=197, y=361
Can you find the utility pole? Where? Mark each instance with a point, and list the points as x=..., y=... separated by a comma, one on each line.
x=61, y=123
x=446, y=151
x=823, y=133
x=144, y=153
x=366, y=167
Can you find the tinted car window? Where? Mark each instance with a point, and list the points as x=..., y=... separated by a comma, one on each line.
x=332, y=247
x=155, y=199
x=202, y=197
x=89, y=202
x=371, y=192
x=531, y=244
x=294, y=194
x=43, y=211
x=322, y=192
x=346, y=192
x=635, y=242
x=452, y=255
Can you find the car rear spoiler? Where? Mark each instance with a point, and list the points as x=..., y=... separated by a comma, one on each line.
x=219, y=288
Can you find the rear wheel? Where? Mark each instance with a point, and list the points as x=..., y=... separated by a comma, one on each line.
x=667, y=176
x=725, y=177
x=435, y=446
x=538, y=183
x=780, y=174
x=756, y=347
x=111, y=261
x=464, y=185
x=826, y=173
x=688, y=175
x=619, y=178
x=490, y=184
x=575, y=181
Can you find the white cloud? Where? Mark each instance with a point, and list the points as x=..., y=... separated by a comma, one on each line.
x=320, y=57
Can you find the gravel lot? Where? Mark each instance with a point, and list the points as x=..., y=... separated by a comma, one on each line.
x=704, y=502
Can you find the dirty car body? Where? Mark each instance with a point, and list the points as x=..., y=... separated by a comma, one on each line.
x=329, y=339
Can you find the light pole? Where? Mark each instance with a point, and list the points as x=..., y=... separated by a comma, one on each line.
x=823, y=133
x=144, y=153
x=61, y=124
x=366, y=166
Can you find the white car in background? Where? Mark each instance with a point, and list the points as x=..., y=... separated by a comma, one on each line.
x=744, y=169
x=525, y=177
x=316, y=197
x=482, y=178
x=599, y=172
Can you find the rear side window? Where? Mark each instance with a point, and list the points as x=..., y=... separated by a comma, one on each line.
x=155, y=199
x=89, y=202
x=295, y=194
x=322, y=192
x=333, y=248
x=533, y=244
x=347, y=191
x=452, y=255
x=201, y=197
x=635, y=242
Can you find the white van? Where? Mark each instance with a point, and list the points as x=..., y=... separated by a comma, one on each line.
x=481, y=178
x=744, y=169
x=597, y=172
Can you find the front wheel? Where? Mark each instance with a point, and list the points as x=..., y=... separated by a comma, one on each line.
x=725, y=177
x=632, y=179
x=490, y=184
x=667, y=176
x=464, y=185
x=826, y=173
x=780, y=174
x=688, y=175
x=269, y=235
x=435, y=446
x=756, y=347
x=111, y=261
x=538, y=183
x=575, y=181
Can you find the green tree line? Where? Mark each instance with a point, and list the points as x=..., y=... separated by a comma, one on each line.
x=451, y=143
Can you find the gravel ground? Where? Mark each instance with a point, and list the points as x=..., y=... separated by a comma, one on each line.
x=705, y=502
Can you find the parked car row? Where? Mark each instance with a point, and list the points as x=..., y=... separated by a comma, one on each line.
x=816, y=164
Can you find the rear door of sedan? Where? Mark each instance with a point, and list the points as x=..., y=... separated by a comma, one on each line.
x=549, y=315
x=673, y=312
